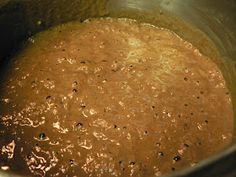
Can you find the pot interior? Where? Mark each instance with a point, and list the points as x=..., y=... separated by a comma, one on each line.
x=208, y=25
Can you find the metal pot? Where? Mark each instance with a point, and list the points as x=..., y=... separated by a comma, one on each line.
x=208, y=24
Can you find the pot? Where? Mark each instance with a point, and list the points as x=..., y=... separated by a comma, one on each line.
x=207, y=24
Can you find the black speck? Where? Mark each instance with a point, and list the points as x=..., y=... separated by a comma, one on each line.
x=153, y=107
x=206, y=121
x=48, y=97
x=173, y=169
x=42, y=136
x=201, y=92
x=120, y=162
x=83, y=105
x=198, y=97
x=83, y=62
x=186, y=145
x=186, y=105
x=132, y=163
x=104, y=61
x=177, y=158
x=199, y=143
x=75, y=83
x=114, y=126
x=79, y=125
x=124, y=127
x=71, y=162
x=161, y=154
x=186, y=79
x=145, y=132
x=227, y=93
x=192, y=113
x=63, y=50
x=75, y=90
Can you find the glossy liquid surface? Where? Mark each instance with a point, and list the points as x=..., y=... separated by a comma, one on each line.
x=111, y=97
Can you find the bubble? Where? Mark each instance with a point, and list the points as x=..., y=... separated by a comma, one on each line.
x=177, y=158
x=71, y=162
x=145, y=132
x=132, y=163
x=79, y=125
x=75, y=90
x=186, y=145
x=42, y=136
x=74, y=84
x=199, y=143
x=160, y=154
x=48, y=97
x=158, y=144
x=82, y=105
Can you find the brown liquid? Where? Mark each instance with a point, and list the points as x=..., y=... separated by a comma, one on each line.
x=111, y=97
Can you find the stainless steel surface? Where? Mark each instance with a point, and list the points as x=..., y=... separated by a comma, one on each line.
x=215, y=18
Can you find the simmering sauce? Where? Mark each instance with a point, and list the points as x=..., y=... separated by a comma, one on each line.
x=111, y=97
